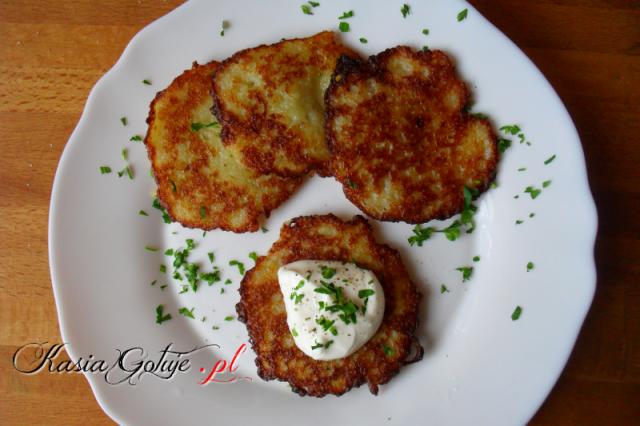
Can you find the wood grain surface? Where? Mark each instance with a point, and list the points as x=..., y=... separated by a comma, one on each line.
x=52, y=53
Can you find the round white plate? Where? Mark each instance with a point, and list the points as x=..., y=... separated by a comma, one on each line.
x=480, y=367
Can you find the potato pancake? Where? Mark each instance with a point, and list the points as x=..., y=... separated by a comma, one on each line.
x=199, y=182
x=270, y=102
x=401, y=144
x=262, y=308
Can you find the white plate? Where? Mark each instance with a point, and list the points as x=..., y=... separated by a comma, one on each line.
x=480, y=367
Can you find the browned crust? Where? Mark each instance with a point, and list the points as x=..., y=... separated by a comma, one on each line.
x=404, y=119
x=272, y=133
x=262, y=309
x=234, y=196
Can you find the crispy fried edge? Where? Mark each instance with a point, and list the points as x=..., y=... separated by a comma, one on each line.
x=414, y=350
x=371, y=68
x=223, y=116
x=251, y=226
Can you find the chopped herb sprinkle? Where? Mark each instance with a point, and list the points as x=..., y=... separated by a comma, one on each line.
x=503, y=144
x=306, y=9
x=225, y=25
x=147, y=82
x=546, y=183
x=550, y=159
x=187, y=312
x=405, y=10
x=462, y=15
x=135, y=138
x=105, y=170
x=363, y=40
x=239, y=264
x=344, y=27
x=532, y=191
x=327, y=273
x=364, y=293
x=516, y=313
x=346, y=15
x=420, y=235
x=443, y=289
x=425, y=31
x=143, y=213
x=124, y=121
x=476, y=258
x=150, y=248
x=530, y=266
x=467, y=271
x=229, y=318
x=161, y=316
x=387, y=350
x=511, y=129
x=199, y=126
x=253, y=256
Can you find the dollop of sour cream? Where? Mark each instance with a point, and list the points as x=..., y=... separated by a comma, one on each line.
x=333, y=308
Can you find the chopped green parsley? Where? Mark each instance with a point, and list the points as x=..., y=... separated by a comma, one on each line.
x=135, y=138
x=187, y=312
x=327, y=273
x=516, y=313
x=344, y=27
x=199, y=126
x=462, y=15
x=147, y=82
x=105, y=170
x=467, y=271
x=532, y=191
x=363, y=40
x=405, y=10
x=239, y=264
x=443, y=289
x=346, y=15
x=225, y=25
x=530, y=266
x=550, y=159
x=503, y=144
x=161, y=316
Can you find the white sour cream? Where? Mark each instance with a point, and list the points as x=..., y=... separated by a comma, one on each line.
x=333, y=308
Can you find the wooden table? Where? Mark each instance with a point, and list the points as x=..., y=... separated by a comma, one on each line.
x=52, y=52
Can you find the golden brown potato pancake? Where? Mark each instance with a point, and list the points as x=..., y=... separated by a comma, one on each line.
x=262, y=308
x=199, y=182
x=401, y=144
x=270, y=102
